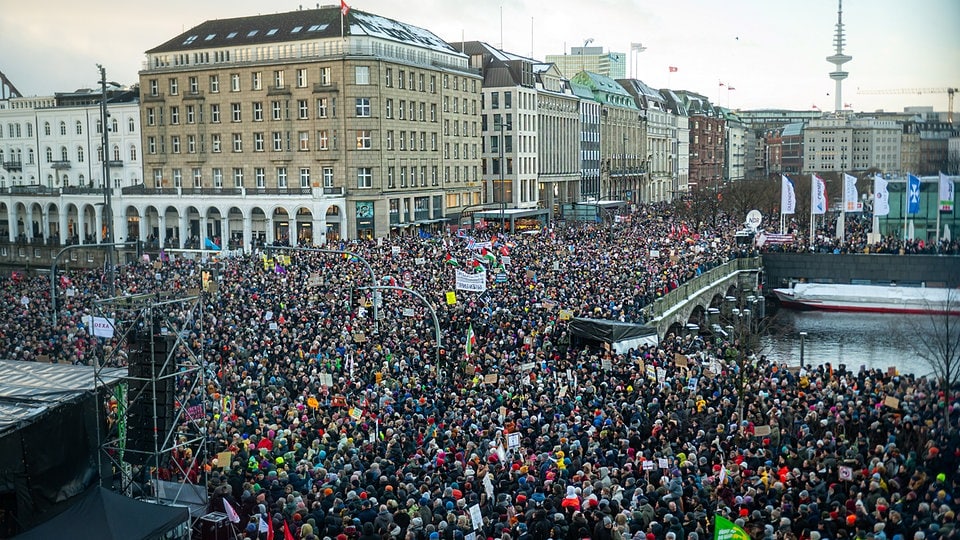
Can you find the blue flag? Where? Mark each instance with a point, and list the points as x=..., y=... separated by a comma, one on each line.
x=913, y=195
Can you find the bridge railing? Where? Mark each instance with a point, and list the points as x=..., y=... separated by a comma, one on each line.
x=683, y=292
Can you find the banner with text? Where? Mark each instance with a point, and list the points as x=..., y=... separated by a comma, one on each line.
x=471, y=282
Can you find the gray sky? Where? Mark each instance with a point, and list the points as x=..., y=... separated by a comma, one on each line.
x=771, y=51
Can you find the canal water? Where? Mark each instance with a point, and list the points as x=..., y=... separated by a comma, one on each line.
x=873, y=340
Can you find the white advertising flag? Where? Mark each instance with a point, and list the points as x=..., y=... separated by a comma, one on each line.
x=946, y=193
x=818, y=196
x=851, y=199
x=881, y=197
x=788, y=197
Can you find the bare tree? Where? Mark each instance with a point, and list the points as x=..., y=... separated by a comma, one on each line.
x=941, y=347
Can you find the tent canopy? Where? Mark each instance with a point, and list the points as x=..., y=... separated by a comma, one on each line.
x=101, y=514
x=620, y=335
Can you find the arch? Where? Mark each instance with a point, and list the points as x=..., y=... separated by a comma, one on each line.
x=303, y=216
x=170, y=236
x=53, y=223
x=63, y=128
x=79, y=127
x=334, y=217
x=46, y=128
x=235, y=223
x=132, y=218
x=258, y=226
x=281, y=225
x=193, y=233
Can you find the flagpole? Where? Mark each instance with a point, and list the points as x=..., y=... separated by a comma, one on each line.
x=906, y=202
x=937, y=237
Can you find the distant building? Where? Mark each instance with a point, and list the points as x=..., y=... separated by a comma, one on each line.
x=847, y=143
x=287, y=128
x=707, y=146
x=589, y=142
x=592, y=59
x=660, y=162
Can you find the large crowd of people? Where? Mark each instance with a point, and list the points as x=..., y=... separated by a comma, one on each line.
x=341, y=426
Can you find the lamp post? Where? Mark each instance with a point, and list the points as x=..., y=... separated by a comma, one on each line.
x=503, y=164
x=107, y=208
x=803, y=336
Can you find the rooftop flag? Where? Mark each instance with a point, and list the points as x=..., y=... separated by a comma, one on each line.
x=344, y=8
x=673, y=69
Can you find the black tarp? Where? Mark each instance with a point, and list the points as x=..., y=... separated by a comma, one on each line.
x=101, y=514
x=620, y=335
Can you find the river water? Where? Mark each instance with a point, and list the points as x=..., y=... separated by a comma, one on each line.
x=874, y=340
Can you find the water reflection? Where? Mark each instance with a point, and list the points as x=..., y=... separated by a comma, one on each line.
x=873, y=340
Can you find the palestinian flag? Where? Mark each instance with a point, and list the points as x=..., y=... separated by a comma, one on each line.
x=471, y=340
x=487, y=256
x=449, y=259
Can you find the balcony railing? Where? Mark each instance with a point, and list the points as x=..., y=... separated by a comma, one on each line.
x=333, y=191
x=194, y=95
x=13, y=165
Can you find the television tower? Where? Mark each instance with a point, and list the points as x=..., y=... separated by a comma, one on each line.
x=838, y=59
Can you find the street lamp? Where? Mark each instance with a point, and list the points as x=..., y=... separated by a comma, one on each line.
x=107, y=208
x=803, y=336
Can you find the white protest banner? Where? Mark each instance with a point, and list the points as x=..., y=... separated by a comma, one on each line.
x=513, y=440
x=476, y=517
x=471, y=282
x=647, y=465
x=100, y=326
x=663, y=463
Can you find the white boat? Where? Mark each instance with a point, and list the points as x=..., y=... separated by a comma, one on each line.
x=870, y=298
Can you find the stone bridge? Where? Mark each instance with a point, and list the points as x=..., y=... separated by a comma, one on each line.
x=689, y=302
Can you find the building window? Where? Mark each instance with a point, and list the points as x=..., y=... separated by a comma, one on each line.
x=174, y=87
x=151, y=117
x=304, y=138
x=403, y=177
x=388, y=77
x=362, y=74
x=215, y=143
x=177, y=177
x=391, y=181
x=133, y=152
x=301, y=78
x=328, y=177
x=215, y=113
x=237, y=177
x=197, y=177
x=388, y=108
x=322, y=108
x=433, y=112
x=275, y=107
x=218, y=177
x=507, y=100
x=257, y=111
x=214, y=84
x=157, y=178
x=238, y=142
x=256, y=80
x=174, y=115
x=364, y=141
x=63, y=128
x=234, y=82
x=303, y=109
x=403, y=140
x=281, y=177
x=323, y=140
x=433, y=84
x=277, y=141
x=325, y=76
x=151, y=145
x=235, y=115
x=400, y=113
x=433, y=141
x=260, y=177
x=389, y=140
x=191, y=114
x=278, y=78
x=79, y=128
x=80, y=154
x=191, y=144
x=304, y=177
x=194, y=85
x=154, y=87
x=175, y=144
x=364, y=177
x=258, y=145
x=363, y=107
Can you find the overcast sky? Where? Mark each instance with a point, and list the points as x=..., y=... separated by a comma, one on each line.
x=771, y=51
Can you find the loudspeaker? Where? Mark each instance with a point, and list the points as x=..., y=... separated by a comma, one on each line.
x=215, y=526
x=150, y=393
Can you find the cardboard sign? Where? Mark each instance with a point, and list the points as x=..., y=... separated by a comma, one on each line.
x=566, y=314
x=606, y=364
x=359, y=337
x=680, y=360
x=224, y=459
x=491, y=378
x=476, y=517
x=326, y=379
x=761, y=431
x=409, y=312
x=527, y=366
x=662, y=463
x=891, y=402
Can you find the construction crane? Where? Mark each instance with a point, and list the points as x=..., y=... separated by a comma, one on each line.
x=949, y=91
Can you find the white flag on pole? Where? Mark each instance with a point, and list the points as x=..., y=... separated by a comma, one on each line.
x=851, y=199
x=881, y=197
x=818, y=195
x=788, y=198
x=946, y=193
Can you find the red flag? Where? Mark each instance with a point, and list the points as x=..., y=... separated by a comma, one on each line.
x=720, y=83
x=730, y=88
x=287, y=535
x=344, y=8
x=269, y=528
x=673, y=69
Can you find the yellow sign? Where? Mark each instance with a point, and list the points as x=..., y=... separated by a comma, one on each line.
x=566, y=314
x=451, y=298
x=312, y=402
